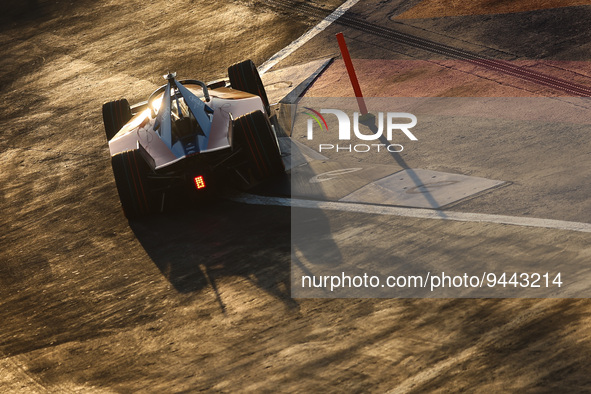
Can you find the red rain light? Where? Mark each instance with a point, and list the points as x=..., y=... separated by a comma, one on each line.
x=199, y=182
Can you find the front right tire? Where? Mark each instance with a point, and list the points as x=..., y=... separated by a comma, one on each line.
x=244, y=76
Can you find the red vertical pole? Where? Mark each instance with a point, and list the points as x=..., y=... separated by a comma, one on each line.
x=351, y=71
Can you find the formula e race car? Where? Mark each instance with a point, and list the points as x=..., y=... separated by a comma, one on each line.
x=192, y=138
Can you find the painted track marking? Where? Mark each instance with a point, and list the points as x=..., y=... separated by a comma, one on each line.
x=396, y=36
x=307, y=36
x=419, y=213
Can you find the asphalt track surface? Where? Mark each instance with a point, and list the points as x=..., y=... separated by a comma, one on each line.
x=397, y=37
x=200, y=299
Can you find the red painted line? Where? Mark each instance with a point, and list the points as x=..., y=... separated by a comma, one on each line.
x=351, y=72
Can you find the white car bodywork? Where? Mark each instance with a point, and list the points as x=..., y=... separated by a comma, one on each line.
x=139, y=132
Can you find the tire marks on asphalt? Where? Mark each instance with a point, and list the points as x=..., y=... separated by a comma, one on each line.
x=395, y=36
x=489, y=338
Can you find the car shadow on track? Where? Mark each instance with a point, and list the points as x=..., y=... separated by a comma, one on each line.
x=197, y=248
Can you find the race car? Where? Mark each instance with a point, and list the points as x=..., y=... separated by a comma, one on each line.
x=192, y=138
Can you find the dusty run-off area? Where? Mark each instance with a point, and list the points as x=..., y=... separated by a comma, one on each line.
x=200, y=300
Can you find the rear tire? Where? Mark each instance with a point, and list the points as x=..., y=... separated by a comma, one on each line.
x=115, y=115
x=245, y=76
x=130, y=171
x=253, y=135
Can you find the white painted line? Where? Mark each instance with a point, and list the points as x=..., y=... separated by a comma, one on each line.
x=420, y=213
x=307, y=36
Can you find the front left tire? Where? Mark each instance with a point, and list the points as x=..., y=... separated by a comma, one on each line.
x=115, y=115
x=131, y=177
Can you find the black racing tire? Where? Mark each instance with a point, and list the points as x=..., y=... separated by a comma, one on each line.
x=130, y=171
x=245, y=76
x=115, y=115
x=253, y=135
